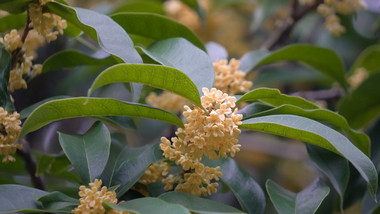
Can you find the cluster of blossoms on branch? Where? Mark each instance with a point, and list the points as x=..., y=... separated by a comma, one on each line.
x=92, y=198
x=24, y=43
x=330, y=8
x=210, y=132
x=9, y=130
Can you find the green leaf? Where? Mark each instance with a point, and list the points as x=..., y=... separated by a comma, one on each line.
x=123, y=122
x=363, y=104
x=194, y=4
x=155, y=27
x=274, y=97
x=253, y=109
x=360, y=139
x=249, y=193
x=117, y=144
x=216, y=51
x=322, y=59
x=313, y=132
x=158, y=76
x=88, y=153
x=148, y=205
x=28, y=110
x=306, y=201
x=197, y=204
x=17, y=198
x=110, y=36
x=13, y=21
x=368, y=59
x=180, y=54
x=150, y=6
x=131, y=165
x=333, y=166
x=73, y=58
x=5, y=62
x=57, y=200
x=90, y=107
x=14, y=6
x=249, y=60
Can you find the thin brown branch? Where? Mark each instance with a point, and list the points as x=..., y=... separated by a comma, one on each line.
x=293, y=18
x=321, y=94
x=25, y=32
x=31, y=166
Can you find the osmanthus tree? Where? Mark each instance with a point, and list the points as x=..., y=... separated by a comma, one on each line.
x=173, y=77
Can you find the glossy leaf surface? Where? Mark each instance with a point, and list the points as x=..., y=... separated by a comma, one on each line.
x=88, y=153
x=246, y=190
x=89, y=107
x=306, y=201
x=180, y=54
x=162, y=77
x=110, y=36
x=17, y=198
x=156, y=27
x=197, y=204
x=363, y=104
x=322, y=59
x=147, y=205
x=131, y=165
x=313, y=132
x=368, y=59
x=275, y=98
x=73, y=58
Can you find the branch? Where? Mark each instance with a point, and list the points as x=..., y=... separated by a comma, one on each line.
x=320, y=94
x=25, y=32
x=293, y=18
x=31, y=166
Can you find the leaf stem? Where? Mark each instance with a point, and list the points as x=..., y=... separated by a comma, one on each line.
x=31, y=166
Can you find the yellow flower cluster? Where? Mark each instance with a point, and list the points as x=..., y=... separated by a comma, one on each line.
x=330, y=8
x=155, y=172
x=182, y=13
x=92, y=198
x=279, y=18
x=210, y=131
x=358, y=77
x=229, y=79
x=42, y=25
x=168, y=101
x=9, y=130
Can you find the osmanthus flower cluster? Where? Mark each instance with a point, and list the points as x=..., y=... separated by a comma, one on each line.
x=41, y=27
x=360, y=74
x=92, y=198
x=228, y=78
x=155, y=172
x=210, y=132
x=9, y=130
x=330, y=8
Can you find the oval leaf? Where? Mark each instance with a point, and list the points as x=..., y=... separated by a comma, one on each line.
x=359, y=139
x=17, y=198
x=306, y=201
x=216, y=51
x=13, y=21
x=249, y=60
x=180, y=54
x=73, y=58
x=14, y=6
x=368, y=59
x=88, y=153
x=363, y=104
x=197, y=204
x=155, y=26
x=313, y=132
x=162, y=77
x=147, y=206
x=322, y=59
x=246, y=190
x=335, y=167
x=274, y=97
x=110, y=36
x=89, y=107
x=131, y=165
